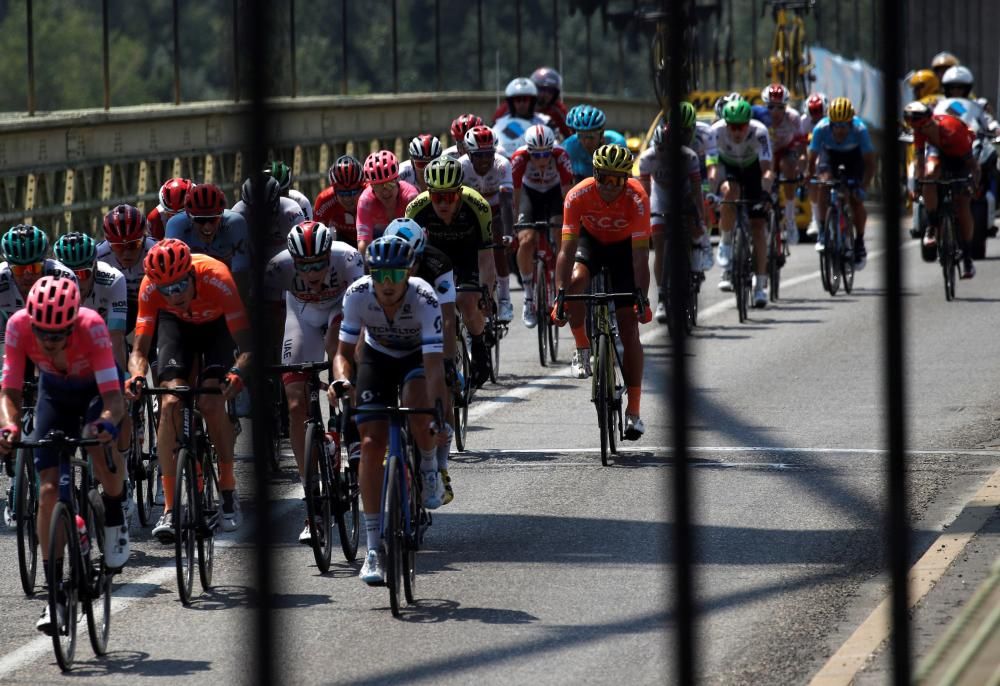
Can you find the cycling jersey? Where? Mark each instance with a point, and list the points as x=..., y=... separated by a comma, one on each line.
x=806, y=126
x=133, y=275
x=627, y=216
x=109, y=296
x=11, y=299
x=215, y=297
x=583, y=161
x=557, y=170
x=496, y=179
x=346, y=266
x=417, y=324
x=329, y=211
x=656, y=166
x=510, y=131
x=303, y=202
x=229, y=245
x=372, y=214
x=556, y=111
x=955, y=138
x=157, y=220
x=408, y=173
x=434, y=267
x=755, y=146
x=276, y=237
x=701, y=140
x=788, y=133
x=469, y=231
x=857, y=137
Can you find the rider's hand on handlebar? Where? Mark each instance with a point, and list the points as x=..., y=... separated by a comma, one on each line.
x=339, y=389
x=232, y=384
x=8, y=435
x=555, y=315
x=102, y=430
x=133, y=387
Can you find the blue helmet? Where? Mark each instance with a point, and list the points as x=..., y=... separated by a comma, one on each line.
x=410, y=231
x=390, y=252
x=585, y=118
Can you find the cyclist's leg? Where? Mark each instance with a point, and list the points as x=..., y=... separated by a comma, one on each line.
x=753, y=191
x=587, y=262
x=176, y=358
x=618, y=258
x=50, y=414
x=303, y=342
x=216, y=348
x=527, y=241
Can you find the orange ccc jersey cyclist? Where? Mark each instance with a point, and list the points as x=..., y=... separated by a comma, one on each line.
x=626, y=217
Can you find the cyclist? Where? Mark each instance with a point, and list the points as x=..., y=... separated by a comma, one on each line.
x=77, y=382
x=193, y=306
x=423, y=149
x=172, y=196
x=337, y=204
x=283, y=213
x=458, y=221
x=310, y=276
x=459, y=127
x=787, y=141
x=926, y=86
x=948, y=154
x=542, y=176
x=548, y=84
x=587, y=123
x=385, y=198
x=815, y=111
x=522, y=97
x=124, y=246
x=721, y=103
x=942, y=62
x=489, y=173
x=842, y=139
x=606, y=223
x=401, y=358
x=283, y=175
x=740, y=159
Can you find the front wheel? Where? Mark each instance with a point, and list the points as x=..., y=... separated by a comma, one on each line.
x=208, y=515
x=319, y=498
x=26, y=511
x=601, y=391
x=847, y=252
x=775, y=256
x=947, y=257
x=741, y=252
x=185, y=521
x=464, y=365
x=348, y=513
x=392, y=535
x=67, y=583
x=541, y=316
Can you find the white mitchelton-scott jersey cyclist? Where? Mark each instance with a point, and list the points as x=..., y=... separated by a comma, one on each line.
x=755, y=147
x=416, y=326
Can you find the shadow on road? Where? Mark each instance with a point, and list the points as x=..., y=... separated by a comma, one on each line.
x=136, y=664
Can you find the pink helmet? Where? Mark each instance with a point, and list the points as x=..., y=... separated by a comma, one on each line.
x=480, y=139
x=53, y=303
x=381, y=167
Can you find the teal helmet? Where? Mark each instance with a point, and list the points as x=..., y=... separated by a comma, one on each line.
x=24, y=244
x=76, y=250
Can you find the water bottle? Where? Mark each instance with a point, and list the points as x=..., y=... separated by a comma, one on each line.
x=81, y=530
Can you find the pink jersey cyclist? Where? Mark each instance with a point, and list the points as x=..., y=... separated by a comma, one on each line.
x=373, y=216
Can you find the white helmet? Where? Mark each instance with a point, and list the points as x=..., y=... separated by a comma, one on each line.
x=521, y=87
x=539, y=137
x=725, y=100
x=957, y=76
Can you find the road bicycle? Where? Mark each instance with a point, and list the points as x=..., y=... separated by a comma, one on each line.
x=22, y=498
x=777, y=246
x=402, y=517
x=141, y=459
x=462, y=388
x=693, y=279
x=545, y=289
x=836, y=259
x=790, y=61
x=196, y=491
x=83, y=578
x=331, y=491
x=742, y=265
x=949, y=247
x=494, y=330
x=607, y=380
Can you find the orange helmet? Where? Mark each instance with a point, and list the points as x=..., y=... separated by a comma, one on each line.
x=168, y=261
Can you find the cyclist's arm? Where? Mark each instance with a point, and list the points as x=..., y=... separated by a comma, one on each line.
x=244, y=342
x=343, y=364
x=767, y=175
x=434, y=374
x=11, y=400
x=697, y=199
x=640, y=267
x=870, y=166
x=145, y=328
x=811, y=167
x=114, y=407
x=507, y=212
x=117, y=318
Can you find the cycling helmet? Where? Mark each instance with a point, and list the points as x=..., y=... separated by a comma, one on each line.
x=390, y=252
x=346, y=174
x=124, y=223
x=816, y=105
x=410, y=231
x=24, y=244
x=775, y=94
x=958, y=77
x=381, y=167
x=173, y=193
x=585, y=118
x=168, y=261
x=282, y=173
x=205, y=200
x=308, y=240
x=443, y=174
x=689, y=117
x=53, y=303
x=916, y=111
x=924, y=82
x=480, y=139
x=462, y=124
x=723, y=101
x=944, y=60
x=614, y=159
x=272, y=191
x=659, y=139
x=76, y=250
x=520, y=88
x=539, y=137
x=841, y=110
x=424, y=147
x=547, y=77
x=737, y=112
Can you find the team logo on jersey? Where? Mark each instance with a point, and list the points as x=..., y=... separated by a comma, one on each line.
x=443, y=286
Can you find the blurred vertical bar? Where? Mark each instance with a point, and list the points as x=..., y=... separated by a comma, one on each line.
x=106, y=54
x=177, y=52
x=857, y=28
x=589, y=81
x=395, y=47
x=555, y=34
x=678, y=263
x=838, y=47
x=479, y=42
x=754, y=59
x=517, y=33
x=259, y=52
x=897, y=527
x=29, y=18
x=343, y=46
x=236, y=50
x=291, y=47
x=437, y=45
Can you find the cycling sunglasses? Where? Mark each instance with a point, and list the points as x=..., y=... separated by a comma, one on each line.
x=310, y=265
x=444, y=196
x=84, y=274
x=392, y=275
x=541, y=154
x=175, y=288
x=121, y=246
x=616, y=180
x=52, y=336
x=206, y=220
x=351, y=193
x=32, y=269
x=387, y=185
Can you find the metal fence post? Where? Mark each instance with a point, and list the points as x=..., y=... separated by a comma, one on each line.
x=343, y=46
x=106, y=54
x=177, y=52
x=291, y=47
x=395, y=47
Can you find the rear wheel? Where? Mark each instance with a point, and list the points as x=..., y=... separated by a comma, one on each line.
x=26, y=511
x=828, y=257
x=411, y=543
x=393, y=535
x=464, y=365
x=774, y=257
x=319, y=498
x=541, y=316
x=185, y=520
x=946, y=254
x=96, y=594
x=614, y=405
x=740, y=256
x=601, y=395
x=208, y=515
x=67, y=583
x=847, y=252
x=348, y=515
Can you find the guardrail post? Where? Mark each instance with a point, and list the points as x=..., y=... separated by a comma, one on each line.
x=291, y=47
x=29, y=17
x=343, y=46
x=105, y=52
x=177, y=53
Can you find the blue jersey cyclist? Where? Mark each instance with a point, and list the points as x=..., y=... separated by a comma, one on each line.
x=589, y=134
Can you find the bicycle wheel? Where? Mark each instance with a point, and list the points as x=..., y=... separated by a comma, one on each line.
x=827, y=257
x=393, y=534
x=614, y=407
x=347, y=511
x=275, y=455
x=96, y=593
x=411, y=542
x=541, y=316
x=67, y=583
x=150, y=456
x=601, y=391
x=552, y=329
x=185, y=521
x=946, y=255
x=319, y=497
x=692, y=309
x=464, y=365
x=208, y=515
x=26, y=512
x=847, y=252
x=774, y=250
x=741, y=253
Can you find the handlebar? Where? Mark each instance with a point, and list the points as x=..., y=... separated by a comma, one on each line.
x=562, y=297
x=299, y=367
x=539, y=225
x=183, y=391
x=437, y=411
x=59, y=440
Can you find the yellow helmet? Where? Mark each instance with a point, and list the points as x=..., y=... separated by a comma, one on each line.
x=841, y=110
x=614, y=159
x=924, y=83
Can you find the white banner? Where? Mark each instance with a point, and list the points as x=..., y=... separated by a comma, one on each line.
x=855, y=79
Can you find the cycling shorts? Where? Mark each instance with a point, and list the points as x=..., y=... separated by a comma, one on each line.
x=181, y=345
x=617, y=257
x=64, y=406
x=464, y=262
x=306, y=325
x=749, y=179
x=952, y=167
x=540, y=206
x=380, y=378
x=852, y=160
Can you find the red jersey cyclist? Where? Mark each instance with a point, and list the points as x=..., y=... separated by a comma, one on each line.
x=191, y=303
x=606, y=223
x=337, y=205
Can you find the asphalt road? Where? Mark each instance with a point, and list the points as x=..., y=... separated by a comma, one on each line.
x=551, y=568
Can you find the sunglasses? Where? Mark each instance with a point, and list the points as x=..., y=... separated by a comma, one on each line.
x=84, y=274
x=388, y=185
x=33, y=269
x=351, y=193
x=391, y=275
x=839, y=125
x=444, y=196
x=52, y=336
x=523, y=98
x=310, y=265
x=175, y=288
x=775, y=107
x=589, y=136
x=206, y=220
x=482, y=155
x=616, y=180
x=541, y=154
x=122, y=246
